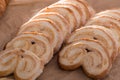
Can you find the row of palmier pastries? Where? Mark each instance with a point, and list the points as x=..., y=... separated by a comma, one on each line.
x=94, y=46
x=3, y=5
x=41, y=37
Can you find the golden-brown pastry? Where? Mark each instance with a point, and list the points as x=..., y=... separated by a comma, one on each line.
x=3, y=5
x=44, y=26
x=85, y=10
x=57, y=18
x=8, y=61
x=98, y=64
x=94, y=46
x=109, y=19
x=99, y=33
x=90, y=54
x=65, y=12
x=29, y=66
x=42, y=36
x=35, y=42
x=24, y=64
x=73, y=11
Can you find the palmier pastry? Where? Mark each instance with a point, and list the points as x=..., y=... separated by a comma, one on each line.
x=34, y=42
x=44, y=26
x=109, y=19
x=73, y=11
x=29, y=66
x=65, y=12
x=85, y=11
x=88, y=45
x=73, y=8
x=8, y=62
x=3, y=5
x=24, y=64
x=87, y=53
x=57, y=18
x=70, y=13
x=99, y=33
x=43, y=35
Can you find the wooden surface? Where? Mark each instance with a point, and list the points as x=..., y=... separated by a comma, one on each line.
x=17, y=14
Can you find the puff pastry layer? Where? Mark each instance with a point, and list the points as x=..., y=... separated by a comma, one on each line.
x=90, y=54
x=85, y=45
x=43, y=35
x=24, y=64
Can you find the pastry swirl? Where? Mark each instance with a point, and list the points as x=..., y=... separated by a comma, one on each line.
x=8, y=61
x=109, y=19
x=99, y=33
x=42, y=36
x=28, y=67
x=84, y=9
x=41, y=26
x=34, y=42
x=65, y=12
x=20, y=62
x=94, y=46
x=76, y=12
x=57, y=18
x=74, y=9
x=87, y=53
